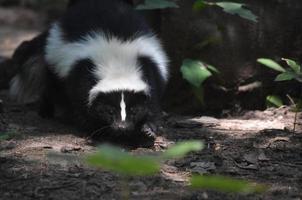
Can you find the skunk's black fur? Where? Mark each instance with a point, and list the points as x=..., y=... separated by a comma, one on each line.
x=100, y=63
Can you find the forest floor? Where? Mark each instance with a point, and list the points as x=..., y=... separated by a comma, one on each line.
x=43, y=159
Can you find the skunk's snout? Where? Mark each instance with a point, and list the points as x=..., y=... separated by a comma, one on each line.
x=122, y=126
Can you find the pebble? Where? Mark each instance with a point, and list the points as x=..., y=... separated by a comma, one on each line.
x=67, y=149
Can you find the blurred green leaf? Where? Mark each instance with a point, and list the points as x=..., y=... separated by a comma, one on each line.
x=286, y=76
x=156, y=4
x=271, y=64
x=199, y=94
x=212, y=68
x=114, y=159
x=195, y=72
x=8, y=135
x=235, y=9
x=225, y=184
x=295, y=66
x=274, y=101
x=199, y=5
x=4, y=136
x=181, y=149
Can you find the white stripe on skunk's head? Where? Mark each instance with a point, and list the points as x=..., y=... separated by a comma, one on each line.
x=108, y=52
x=132, y=83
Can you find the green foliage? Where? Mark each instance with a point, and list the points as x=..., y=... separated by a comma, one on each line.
x=274, y=101
x=293, y=64
x=156, y=4
x=287, y=74
x=199, y=5
x=7, y=136
x=181, y=149
x=236, y=9
x=225, y=184
x=271, y=64
x=196, y=72
x=4, y=136
x=293, y=72
x=228, y=7
x=114, y=159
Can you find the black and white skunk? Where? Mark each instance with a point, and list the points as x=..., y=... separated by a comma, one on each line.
x=100, y=63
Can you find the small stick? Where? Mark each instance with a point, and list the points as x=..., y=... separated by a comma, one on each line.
x=296, y=111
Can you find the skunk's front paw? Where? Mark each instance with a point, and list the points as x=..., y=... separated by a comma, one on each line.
x=149, y=129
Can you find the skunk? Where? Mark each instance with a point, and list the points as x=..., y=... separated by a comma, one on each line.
x=100, y=63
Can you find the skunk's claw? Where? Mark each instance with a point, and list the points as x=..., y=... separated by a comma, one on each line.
x=149, y=130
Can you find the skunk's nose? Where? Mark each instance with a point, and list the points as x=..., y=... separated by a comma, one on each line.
x=121, y=126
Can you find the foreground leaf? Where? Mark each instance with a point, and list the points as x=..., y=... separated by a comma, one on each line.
x=156, y=4
x=199, y=5
x=4, y=136
x=225, y=184
x=271, y=64
x=273, y=101
x=195, y=72
x=199, y=94
x=8, y=135
x=181, y=149
x=114, y=159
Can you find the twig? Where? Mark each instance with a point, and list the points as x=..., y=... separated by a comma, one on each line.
x=250, y=87
x=296, y=111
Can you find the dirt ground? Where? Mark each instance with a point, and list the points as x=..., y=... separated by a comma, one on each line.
x=44, y=158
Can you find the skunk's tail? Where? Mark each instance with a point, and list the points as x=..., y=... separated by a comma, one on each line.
x=31, y=70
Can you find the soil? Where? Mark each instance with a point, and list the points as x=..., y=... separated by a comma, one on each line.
x=43, y=159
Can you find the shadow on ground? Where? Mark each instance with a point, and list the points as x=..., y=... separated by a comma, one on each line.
x=44, y=160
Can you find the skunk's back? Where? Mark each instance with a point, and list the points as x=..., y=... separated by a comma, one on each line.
x=115, y=17
x=30, y=80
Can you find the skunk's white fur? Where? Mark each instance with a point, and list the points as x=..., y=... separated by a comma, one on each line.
x=116, y=60
x=123, y=108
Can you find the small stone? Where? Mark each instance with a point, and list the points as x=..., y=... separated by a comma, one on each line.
x=202, y=167
x=251, y=158
x=263, y=157
x=67, y=149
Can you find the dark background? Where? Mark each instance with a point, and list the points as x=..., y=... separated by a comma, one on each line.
x=228, y=42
